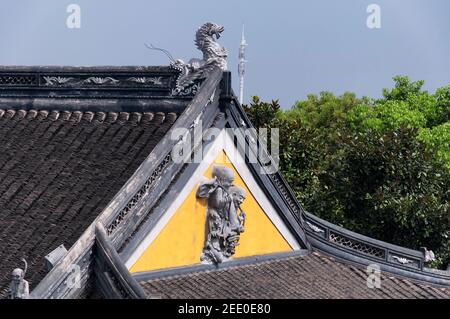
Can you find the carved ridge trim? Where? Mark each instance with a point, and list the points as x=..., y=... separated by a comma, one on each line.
x=190, y=90
x=145, y=80
x=402, y=260
x=356, y=245
x=315, y=228
x=18, y=80
x=217, y=118
x=363, y=247
x=71, y=81
x=286, y=194
x=140, y=194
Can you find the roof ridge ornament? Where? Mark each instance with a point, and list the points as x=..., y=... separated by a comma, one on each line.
x=19, y=288
x=429, y=255
x=214, y=55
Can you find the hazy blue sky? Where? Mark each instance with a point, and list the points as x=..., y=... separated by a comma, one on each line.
x=295, y=47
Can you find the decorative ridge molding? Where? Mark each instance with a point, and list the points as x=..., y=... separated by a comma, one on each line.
x=353, y=247
x=93, y=82
x=144, y=190
x=402, y=260
x=83, y=69
x=92, y=79
x=378, y=243
x=315, y=228
x=88, y=81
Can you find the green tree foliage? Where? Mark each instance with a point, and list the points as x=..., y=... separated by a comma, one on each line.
x=438, y=138
x=262, y=113
x=379, y=167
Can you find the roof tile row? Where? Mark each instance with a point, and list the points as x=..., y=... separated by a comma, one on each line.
x=313, y=277
x=78, y=116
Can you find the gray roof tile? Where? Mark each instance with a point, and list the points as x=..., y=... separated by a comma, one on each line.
x=313, y=276
x=58, y=170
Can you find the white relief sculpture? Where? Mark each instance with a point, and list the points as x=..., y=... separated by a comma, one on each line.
x=225, y=217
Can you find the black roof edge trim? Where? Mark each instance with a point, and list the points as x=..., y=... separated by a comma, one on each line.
x=115, y=268
x=179, y=271
x=274, y=185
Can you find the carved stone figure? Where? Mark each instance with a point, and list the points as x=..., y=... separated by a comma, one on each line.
x=428, y=254
x=19, y=288
x=235, y=220
x=214, y=55
x=225, y=218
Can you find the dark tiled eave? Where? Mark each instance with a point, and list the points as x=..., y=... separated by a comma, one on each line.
x=313, y=276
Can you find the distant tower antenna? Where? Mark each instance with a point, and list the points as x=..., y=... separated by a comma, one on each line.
x=241, y=66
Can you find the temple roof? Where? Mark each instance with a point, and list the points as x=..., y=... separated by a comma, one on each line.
x=86, y=161
x=58, y=170
x=314, y=276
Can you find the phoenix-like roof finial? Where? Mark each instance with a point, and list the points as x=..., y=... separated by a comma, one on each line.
x=214, y=55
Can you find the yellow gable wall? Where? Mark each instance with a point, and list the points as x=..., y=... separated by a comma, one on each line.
x=181, y=241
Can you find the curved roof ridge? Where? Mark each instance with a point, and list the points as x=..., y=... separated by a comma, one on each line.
x=364, y=237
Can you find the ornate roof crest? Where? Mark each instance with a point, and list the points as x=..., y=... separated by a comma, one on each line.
x=214, y=55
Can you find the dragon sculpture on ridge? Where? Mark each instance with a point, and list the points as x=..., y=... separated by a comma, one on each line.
x=214, y=55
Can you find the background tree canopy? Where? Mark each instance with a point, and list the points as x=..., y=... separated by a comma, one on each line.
x=380, y=167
